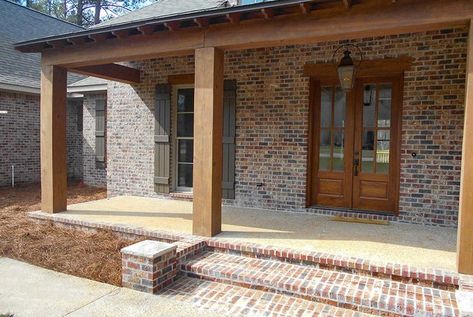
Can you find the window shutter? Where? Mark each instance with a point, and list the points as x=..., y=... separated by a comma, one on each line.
x=100, y=133
x=229, y=109
x=162, y=119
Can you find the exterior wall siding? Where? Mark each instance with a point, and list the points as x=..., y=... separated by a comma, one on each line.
x=272, y=123
x=93, y=175
x=20, y=138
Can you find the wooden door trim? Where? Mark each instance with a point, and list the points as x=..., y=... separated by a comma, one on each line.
x=310, y=153
x=398, y=125
x=367, y=68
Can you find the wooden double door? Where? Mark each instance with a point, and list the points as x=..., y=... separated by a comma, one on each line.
x=354, y=157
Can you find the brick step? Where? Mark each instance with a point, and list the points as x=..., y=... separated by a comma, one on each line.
x=356, y=292
x=436, y=278
x=232, y=300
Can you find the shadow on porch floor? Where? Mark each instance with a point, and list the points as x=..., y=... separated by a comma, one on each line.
x=421, y=246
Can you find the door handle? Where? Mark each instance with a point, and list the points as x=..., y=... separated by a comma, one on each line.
x=356, y=162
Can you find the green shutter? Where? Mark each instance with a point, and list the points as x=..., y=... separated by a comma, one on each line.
x=162, y=121
x=100, y=133
x=229, y=108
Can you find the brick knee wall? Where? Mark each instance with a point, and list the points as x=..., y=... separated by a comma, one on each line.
x=20, y=139
x=272, y=123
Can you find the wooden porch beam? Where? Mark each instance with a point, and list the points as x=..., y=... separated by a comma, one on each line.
x=53, y=139
x=369, y=18
x=465, y=216
x=114, y=72
x=208, y=155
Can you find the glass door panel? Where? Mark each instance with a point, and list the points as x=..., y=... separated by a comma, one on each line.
x=332, y=129
x=375, y=145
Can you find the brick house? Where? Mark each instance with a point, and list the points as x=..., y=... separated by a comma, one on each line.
x=20, y=99
x=243, y=104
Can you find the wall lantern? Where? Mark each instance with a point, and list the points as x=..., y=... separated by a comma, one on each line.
x=346, y=67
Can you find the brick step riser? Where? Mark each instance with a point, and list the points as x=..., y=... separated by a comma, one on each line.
x=428, y=281
x=325, y=298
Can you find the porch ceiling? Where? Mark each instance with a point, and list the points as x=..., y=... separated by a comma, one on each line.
x=272, y=23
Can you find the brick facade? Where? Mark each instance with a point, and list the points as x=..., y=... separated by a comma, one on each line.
x=272, y=123
x=74, y=139
x=93, y=175
x=19, y=138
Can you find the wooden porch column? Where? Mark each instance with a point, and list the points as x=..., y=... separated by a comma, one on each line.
x=208, y=125
x=53, y=139
x=465, y=217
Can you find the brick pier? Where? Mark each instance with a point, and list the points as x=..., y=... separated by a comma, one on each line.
x=149, y=266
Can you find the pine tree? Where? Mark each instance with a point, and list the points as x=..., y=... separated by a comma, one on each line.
x=84, y=12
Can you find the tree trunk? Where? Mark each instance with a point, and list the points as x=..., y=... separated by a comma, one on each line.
x=28, y=3
x=80, y=12
x=98, y=8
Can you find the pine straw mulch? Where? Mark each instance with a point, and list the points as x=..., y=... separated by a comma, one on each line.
x=94, y=256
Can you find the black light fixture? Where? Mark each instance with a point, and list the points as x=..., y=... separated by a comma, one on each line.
x=346, y=68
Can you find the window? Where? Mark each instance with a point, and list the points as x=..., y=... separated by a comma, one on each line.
x=184, y=138
x=100, y=148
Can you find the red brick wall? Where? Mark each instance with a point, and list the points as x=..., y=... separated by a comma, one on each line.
x=272, y=122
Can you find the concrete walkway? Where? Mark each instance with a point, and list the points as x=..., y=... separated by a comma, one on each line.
x=27, y=290
x=417, y=245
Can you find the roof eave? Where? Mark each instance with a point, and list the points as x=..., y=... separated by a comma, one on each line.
x=37, y=45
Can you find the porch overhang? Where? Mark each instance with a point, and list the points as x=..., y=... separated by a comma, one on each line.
x=207, y=35
x=251, y=26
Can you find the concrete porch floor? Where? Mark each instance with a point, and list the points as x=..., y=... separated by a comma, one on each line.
x=421, y=246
